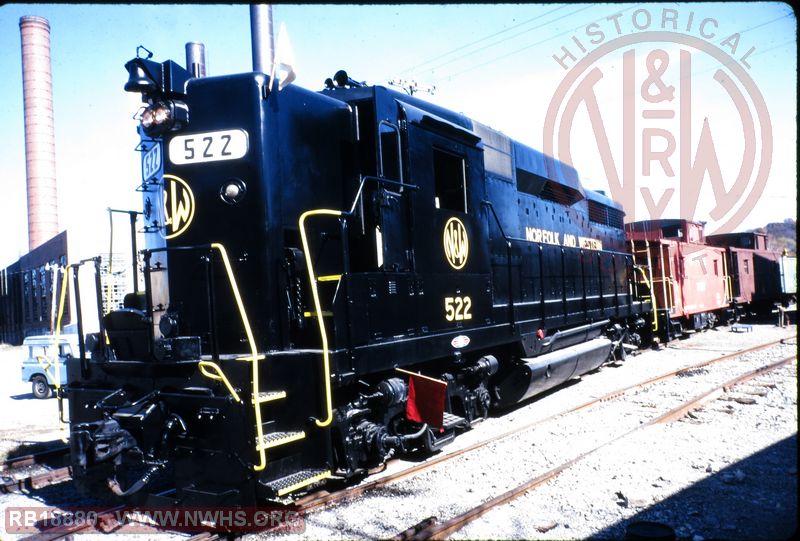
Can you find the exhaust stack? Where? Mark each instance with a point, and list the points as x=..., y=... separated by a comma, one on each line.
x=261, y=37
x=196, y=59
x=40, y=159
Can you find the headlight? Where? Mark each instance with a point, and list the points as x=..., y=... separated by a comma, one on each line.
x=147, y=118
x=161, y=116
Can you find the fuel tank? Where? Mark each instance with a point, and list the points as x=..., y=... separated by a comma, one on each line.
x=538, y=374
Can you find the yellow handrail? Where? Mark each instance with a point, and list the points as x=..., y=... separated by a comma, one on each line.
x=670, y=291
x=653, y=302
x=45, y=363
x=727, y=278
x=649, y=283
x=56, y=341
x=640, y=268
x=254, y=359
x=219, y=376
x=669, y=301
x=318, y=310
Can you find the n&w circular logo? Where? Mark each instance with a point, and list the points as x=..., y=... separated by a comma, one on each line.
x=178, y=204
x=456, y=243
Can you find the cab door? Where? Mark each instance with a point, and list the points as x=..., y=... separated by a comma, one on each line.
x=391, y=204
x=445, y=163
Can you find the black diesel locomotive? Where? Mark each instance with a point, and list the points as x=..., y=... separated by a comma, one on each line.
x=331, y=278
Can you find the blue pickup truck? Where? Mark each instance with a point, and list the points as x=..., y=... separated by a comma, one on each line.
x=39, y=365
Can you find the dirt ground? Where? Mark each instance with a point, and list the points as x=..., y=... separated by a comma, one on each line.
x=25, y=421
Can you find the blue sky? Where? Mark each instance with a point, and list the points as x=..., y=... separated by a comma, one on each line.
x=491, y=62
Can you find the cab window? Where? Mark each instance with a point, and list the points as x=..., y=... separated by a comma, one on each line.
x=450, y=182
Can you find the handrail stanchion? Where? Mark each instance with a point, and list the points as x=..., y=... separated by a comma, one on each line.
x=57, y=340
x=318, y=308
x=254, y=352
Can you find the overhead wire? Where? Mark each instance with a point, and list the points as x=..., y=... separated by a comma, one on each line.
x=450, y=76
x=749, y=57
x=498, y=42
x=525, y=48
x=724, y=64
x=523, y=23
x=766, y=23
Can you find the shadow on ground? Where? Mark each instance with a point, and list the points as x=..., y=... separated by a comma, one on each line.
x=753, y=499
x=25, y=396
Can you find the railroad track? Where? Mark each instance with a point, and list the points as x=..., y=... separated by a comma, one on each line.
x=34, y=458
x=431, y=529
x=321, y=499
x=33, y=481
x=105, y=521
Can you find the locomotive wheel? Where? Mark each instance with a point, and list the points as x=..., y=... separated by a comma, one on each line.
x=40, y=388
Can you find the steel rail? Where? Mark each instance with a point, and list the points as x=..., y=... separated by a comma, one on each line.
x=36, y=481
x=324, y=498
x=33, y=458
x=105, y=522
x=444, y=529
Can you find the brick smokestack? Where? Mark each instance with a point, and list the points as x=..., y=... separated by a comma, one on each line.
x=40, y=159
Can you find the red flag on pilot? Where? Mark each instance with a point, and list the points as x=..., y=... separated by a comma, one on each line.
x=426, y=399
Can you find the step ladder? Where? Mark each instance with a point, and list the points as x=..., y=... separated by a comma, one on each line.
x=268, y=396
x=271, y=440
x=265, y=440
x=643, y=263
x=453, y=421
x=296, y=481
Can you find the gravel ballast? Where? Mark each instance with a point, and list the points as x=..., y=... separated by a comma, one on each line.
x=727, y=471
x=456, y=486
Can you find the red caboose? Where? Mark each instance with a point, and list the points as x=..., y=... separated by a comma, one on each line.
x=687, y=278
x=756, y=276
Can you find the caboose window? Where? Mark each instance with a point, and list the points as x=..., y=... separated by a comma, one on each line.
x=449, y=177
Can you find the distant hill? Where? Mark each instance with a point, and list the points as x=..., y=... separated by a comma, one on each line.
x=781, y=235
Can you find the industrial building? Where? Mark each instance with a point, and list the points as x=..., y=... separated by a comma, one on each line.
x=30, y=287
